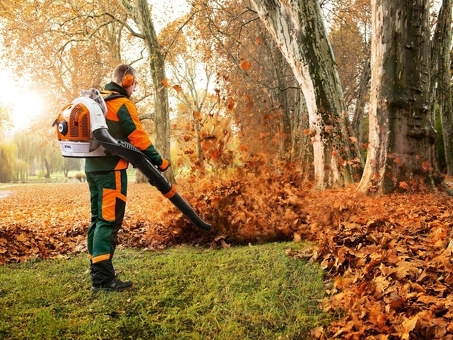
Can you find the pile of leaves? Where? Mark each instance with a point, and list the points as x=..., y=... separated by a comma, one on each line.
x=387, y=259
x=390, y=261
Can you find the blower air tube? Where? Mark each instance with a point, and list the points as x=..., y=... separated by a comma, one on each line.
x=139, y=160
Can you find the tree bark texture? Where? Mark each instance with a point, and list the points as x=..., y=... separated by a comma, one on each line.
x=401, y=135
x=301, y=141
x=285, y=148
x=363, y=96
x=298, y=29
x=441, y=49
x=141, y=14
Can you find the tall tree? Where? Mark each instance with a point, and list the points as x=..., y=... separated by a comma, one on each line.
x=141, y=14
x=401, y=135
x=441, y=79
x=298, y=28
x=6, y=162
x=27, y=144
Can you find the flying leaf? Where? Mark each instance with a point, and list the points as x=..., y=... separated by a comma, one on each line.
x=328, y=128
x=404, y=185
x=230, y=103
x=244, y=64
x=426, y=165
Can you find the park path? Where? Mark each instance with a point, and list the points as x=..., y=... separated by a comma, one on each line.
x=4, y=194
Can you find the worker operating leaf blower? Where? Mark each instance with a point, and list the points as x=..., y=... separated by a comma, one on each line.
x=82, y=132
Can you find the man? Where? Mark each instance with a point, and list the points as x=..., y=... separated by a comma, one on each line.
x=107, y=179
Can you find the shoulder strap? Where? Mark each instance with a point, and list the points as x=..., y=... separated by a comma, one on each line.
x=110, y=95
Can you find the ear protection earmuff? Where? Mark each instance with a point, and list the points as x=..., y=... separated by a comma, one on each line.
x=128, y=79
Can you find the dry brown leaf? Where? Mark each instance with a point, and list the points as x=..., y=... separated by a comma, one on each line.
x=408, y=325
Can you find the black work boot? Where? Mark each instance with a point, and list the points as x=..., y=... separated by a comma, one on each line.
x=115, y=285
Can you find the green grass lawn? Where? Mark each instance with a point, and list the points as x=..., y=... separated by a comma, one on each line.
x=254, y=292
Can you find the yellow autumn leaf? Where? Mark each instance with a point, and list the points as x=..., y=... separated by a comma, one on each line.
x=408, y=325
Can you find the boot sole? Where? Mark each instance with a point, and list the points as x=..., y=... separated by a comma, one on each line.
x=96, y=289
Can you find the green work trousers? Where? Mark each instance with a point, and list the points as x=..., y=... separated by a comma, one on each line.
x=108, y=191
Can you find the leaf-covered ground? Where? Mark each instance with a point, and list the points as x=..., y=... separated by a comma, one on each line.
x=387, y=258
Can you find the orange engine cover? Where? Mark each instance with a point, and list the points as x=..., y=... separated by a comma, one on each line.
x=74, y=123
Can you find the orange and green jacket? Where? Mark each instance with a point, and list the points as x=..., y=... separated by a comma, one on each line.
x=123, y=124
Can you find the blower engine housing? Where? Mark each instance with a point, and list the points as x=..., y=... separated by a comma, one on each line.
x=75, y=125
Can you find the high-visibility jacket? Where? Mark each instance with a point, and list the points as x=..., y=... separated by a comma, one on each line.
x=123, y=124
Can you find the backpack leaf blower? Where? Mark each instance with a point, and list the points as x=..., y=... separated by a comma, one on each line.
x=82, y=132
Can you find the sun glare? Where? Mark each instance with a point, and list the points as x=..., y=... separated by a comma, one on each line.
x=23, y=105
x=26, y=107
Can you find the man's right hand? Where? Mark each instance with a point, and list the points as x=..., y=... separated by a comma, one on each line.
x=164, y=165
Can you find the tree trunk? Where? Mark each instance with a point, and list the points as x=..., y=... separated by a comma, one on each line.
x=441, y=48
x=362, y=99
x=47, y=166
x=198, y=139
x=401, y=135
x=142, y=17
x=298, y=28
x=285, y=149
x=301, y=141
